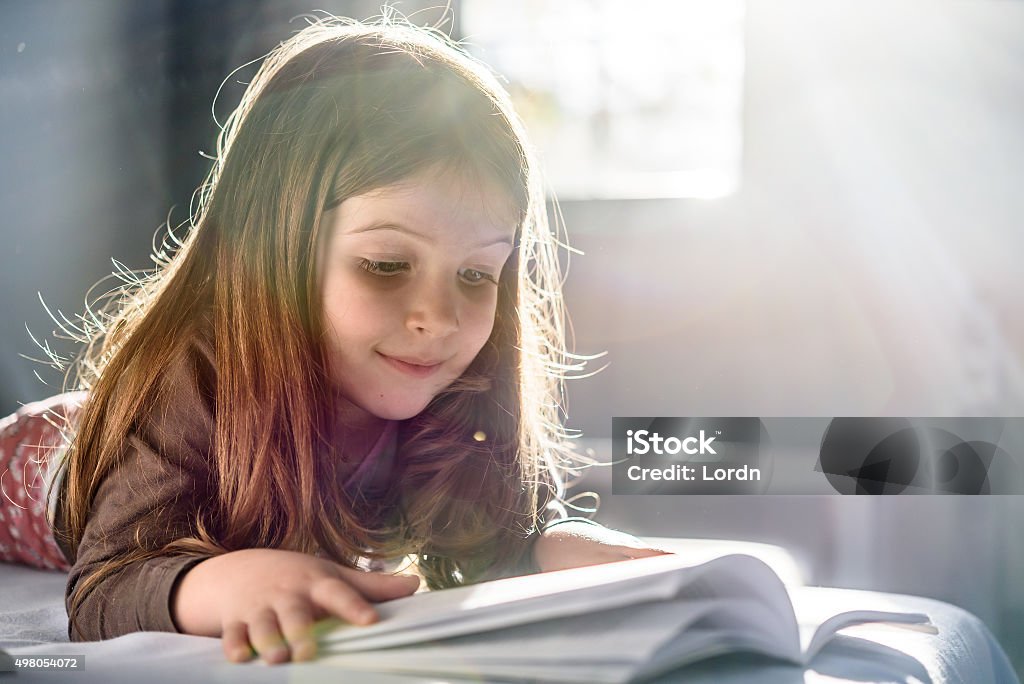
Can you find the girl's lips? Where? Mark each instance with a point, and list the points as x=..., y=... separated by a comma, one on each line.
x=412, y=369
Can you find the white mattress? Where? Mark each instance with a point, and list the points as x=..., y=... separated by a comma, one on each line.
x=33, y=622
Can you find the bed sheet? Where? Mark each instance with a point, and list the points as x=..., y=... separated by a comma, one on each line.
x=33, y=622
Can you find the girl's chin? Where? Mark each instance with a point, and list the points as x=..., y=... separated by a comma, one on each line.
x=384, y=410
x=398, y=412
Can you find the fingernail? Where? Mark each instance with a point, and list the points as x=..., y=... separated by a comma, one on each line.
x=275, y=655
x=303, y=650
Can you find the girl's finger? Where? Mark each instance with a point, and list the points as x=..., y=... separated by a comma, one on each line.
x=235, y=641
x=265, y=635
x=379, y=586
x=339, y=598
x=646, y=552
x=296, y=620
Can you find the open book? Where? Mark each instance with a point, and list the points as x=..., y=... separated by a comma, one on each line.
x=615, y=622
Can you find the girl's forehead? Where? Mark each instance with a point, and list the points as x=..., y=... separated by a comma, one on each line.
x=434, y=201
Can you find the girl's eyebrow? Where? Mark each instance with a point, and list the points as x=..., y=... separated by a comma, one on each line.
x=398, y=227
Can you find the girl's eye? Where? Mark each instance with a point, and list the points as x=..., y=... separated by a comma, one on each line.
x=475, y=277
x=385, y=269
x=389, y=269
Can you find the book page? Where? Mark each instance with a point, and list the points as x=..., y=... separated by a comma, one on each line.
x=608, y=646
x=813, y=639
x=698, y=644
x=519, y=600
x=627, y=634
x=619, y=617
x=753, y=603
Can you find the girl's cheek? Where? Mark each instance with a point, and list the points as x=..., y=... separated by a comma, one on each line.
x=483, y=323
x=375, y=298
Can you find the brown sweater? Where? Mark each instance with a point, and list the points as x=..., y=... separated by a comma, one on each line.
x=163, y=478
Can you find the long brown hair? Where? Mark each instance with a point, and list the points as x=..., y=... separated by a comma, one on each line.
x=339, y=109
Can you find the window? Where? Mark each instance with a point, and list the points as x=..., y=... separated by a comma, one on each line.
x=637, y=100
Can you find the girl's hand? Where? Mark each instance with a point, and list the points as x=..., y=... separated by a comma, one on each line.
x=577, y=543
x=265, y=601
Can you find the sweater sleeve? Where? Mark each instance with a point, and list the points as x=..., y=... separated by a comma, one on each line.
x=148, y=500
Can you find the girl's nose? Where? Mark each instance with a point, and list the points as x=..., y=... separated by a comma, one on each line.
x=434, y=311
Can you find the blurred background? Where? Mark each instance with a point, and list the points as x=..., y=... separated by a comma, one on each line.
x=786, y=208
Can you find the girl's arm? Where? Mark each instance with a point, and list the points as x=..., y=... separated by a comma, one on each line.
x=575, y=542
x=146, y=501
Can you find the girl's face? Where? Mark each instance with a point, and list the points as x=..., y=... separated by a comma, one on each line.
x=409, y=278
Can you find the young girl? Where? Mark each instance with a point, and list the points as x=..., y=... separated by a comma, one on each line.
x=354, y=356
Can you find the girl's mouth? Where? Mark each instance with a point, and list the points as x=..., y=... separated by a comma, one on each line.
x=413, y=369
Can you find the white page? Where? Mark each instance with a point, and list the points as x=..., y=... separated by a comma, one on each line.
x=757, y=622
x=478, y=621
x=691, y=647
x=630, y=633
x=749, y=578
x=699, y=644
x=814, y=641
x=637, y=615
x=624, y=641
x=532, y=598
x=652, y=637
x=429, y=608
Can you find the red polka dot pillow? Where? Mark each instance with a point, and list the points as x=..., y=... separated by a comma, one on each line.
x=30, y=443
